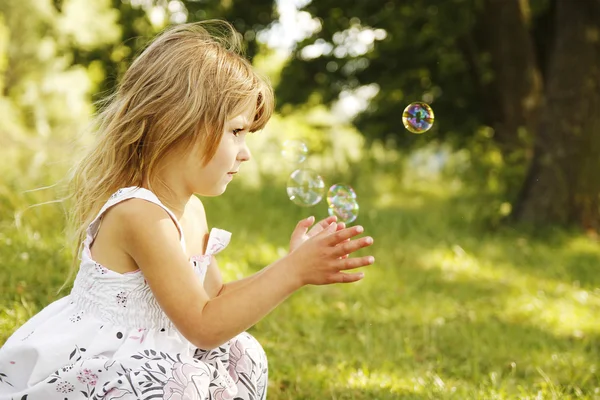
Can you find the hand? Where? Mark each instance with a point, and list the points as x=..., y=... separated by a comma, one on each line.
x=301, y=233
x=319, y=259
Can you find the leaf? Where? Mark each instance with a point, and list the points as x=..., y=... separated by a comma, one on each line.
x=24, y=397
x=52, y=380
x=82, y=349
x=85, y=394
x=137, y=357
x=162, y=369
x=146, y=352
x=73, y=353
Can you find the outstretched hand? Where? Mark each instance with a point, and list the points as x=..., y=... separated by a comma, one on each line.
x=302, y=233
x=321, y=258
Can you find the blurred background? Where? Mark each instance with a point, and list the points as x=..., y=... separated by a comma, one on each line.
x=486, y=282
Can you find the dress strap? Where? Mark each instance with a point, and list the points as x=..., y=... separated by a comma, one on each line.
x=126, y=194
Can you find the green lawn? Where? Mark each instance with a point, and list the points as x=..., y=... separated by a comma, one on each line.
x=450, y=309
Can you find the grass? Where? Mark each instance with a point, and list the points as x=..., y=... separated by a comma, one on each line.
x=451, y=309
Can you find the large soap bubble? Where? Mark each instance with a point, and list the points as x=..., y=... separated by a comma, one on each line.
x=305, y=187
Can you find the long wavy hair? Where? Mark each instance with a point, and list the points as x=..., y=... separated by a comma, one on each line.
x=181, y=89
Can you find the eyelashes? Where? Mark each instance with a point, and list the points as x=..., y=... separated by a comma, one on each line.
x=236, y=132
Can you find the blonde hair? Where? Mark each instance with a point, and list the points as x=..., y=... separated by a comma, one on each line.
x=181, y=89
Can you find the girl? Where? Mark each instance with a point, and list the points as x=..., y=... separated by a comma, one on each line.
x=149, y=316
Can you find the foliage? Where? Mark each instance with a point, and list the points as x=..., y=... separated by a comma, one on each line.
x=423, y=56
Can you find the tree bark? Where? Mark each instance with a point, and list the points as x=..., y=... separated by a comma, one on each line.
x=563, y=181
x=512, y=92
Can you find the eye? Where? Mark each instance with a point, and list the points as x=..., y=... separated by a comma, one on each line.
x=237, y=131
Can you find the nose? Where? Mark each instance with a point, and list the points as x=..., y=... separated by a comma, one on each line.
x=244, y=154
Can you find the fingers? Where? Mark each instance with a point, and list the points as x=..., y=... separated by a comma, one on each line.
x=302, y=227
x=321, y=225
x=344, y=234
x=341, y=226
x=352, y=246
x=344, y=277
x=305, y=223
x=331, y=228
x=352, y=263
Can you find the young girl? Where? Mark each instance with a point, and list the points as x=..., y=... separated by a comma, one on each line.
x=149, y=316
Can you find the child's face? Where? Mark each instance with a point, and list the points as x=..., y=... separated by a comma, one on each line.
x=212, y=179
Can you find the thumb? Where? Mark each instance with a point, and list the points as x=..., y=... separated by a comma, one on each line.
x=302, y=227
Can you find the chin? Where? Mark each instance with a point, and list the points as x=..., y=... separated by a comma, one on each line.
x=212, y=193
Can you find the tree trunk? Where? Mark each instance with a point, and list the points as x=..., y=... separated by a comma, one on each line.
x=563, y=182
x=510, y=82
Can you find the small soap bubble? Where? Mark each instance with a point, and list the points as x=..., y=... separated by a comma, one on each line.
x=305, y=187
x=294, y=151
x=339, y=193
x=342, y=203
x=346, y=213
x=418, y=117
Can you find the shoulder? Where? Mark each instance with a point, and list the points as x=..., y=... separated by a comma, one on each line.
x=136, y=208
x=137, y=214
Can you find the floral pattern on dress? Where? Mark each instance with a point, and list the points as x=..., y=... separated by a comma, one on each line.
x=100, y=268
x=133, y=356
x=122, y=299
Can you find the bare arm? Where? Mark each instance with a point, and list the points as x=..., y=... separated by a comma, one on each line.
x=213, y=281
x=150, y=237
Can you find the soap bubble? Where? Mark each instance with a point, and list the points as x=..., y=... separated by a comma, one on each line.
x=339, y=193
x=294, y=151
x=305, y=187
x=347, y=213
x=342, y=203
x=418, y=117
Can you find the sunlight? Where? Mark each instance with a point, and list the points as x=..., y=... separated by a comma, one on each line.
x=549, y=303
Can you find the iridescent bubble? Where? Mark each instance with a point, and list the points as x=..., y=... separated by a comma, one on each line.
x=347, y=213
x=339, y=193
x=305, y=187
x=294, y=151
x=342, y=203
x=418, y=117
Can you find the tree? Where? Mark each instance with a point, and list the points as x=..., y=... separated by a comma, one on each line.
x=507, y=64
x=562, y=184
x=140, y=22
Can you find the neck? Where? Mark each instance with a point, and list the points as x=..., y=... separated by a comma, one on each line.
x=174, y=198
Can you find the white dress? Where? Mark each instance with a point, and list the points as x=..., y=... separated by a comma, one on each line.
x=109, y=339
